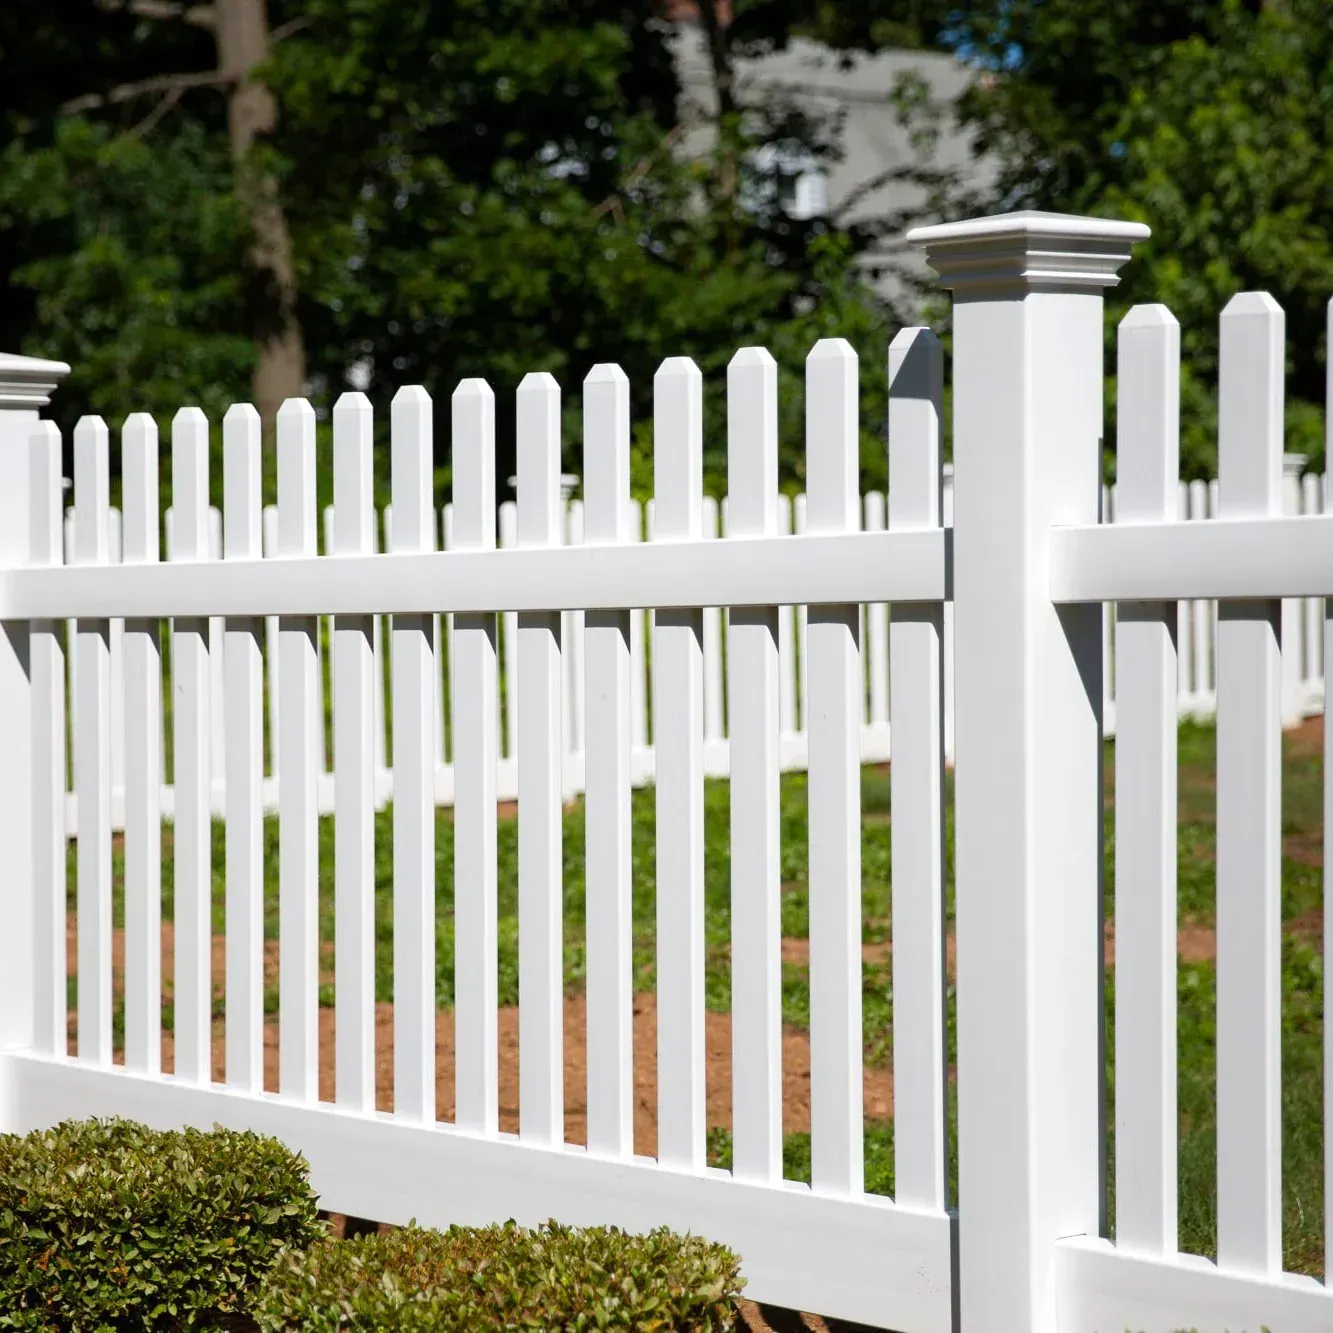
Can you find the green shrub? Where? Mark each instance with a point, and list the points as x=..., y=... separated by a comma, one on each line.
x=556, y=1278
x=110, y=1225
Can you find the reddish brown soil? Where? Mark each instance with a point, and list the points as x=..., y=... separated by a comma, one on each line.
x=717, y=1036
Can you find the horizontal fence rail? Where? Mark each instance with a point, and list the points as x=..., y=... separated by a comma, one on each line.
x=1107, y=564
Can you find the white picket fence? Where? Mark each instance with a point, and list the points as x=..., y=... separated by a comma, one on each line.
x=1027, y=568
x=1302, y=656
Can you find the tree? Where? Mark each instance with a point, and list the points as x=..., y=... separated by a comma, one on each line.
x=508, y=197
x=489, y=187
x=142, y=69
x=1212, y=122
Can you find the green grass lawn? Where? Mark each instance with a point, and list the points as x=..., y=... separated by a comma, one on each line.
x=1302, y=973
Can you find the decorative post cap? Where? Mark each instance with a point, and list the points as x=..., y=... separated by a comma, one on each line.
x=27, y=382
x=1028, y=251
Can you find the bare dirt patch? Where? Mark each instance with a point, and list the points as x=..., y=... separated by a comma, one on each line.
x=1307, y=740
x=878, y=1085
x=1195, y=943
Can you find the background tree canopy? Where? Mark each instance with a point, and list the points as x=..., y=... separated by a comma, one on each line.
x=205, y=202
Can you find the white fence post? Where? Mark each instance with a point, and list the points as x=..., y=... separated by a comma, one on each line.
x=26, y=384
x=1028, y=354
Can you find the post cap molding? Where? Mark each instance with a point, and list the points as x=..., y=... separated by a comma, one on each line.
x=1028, y=251
x=27, y=382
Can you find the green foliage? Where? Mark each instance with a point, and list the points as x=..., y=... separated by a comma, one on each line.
x=504, y=1277
x=131, y=253
x=487, y=188
x=1210, y=121
x=510, y=198
x=110, y=1225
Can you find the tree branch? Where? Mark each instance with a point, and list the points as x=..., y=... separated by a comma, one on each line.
x=287, y=29
x=138, y=131
x=163, y=83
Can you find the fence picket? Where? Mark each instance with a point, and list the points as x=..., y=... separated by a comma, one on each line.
x=1290, y=615
x=270, y=533
x=509, y=639
x=354, y=767
x=444, y=625
x=1185, y=649
x=192, y=724
x=243, y=769
x=916, y=687
x=1147, y=673
x=49, y=871
x=606, y=678
x=1204, y=613
x=143, y=761
x=71, y=642
x=640, y=630
x=1326, y=506
x=800, y=522
x=752, y=696
x=1312, y=610
x=680, y=647
x=948, y=630
x=92, y=752
x=415, y=671
x=540, y=781
x=877, y=633
x=832, y=445
x=116, y=639
x=476, y=736
x=1249, y=773
x=378, y=715
x=712, y=641
x=786, y=641
x=574, y=652
x=301, y=749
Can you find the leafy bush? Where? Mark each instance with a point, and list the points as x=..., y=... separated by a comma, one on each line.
x=111, y=1225
x=556, y=1277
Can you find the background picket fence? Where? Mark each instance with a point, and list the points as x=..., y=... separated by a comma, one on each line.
x=1302, y=655
x=1026, y=568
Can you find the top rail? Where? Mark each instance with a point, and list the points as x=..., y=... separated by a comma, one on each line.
x=766, y=571
x=1224, y=559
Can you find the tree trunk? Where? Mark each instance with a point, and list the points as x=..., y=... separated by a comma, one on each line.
x=715, y=18
x=243, y=44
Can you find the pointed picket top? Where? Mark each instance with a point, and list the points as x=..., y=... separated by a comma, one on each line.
x=1260, y=304
x=916, y=391
x=242, y=433
x=678, y=470
x=296, y=409
x=409, y=521
x=606, y=454
x=473, y=508
x=92, y=491
x=1251, y=387
x=832, y=437
x=296, y=479
x=189, y=485
x=539, y=477
x=353, y=476
x=139, y=488
x=1150, y=315
x=752, y=442
x=1148, y=414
